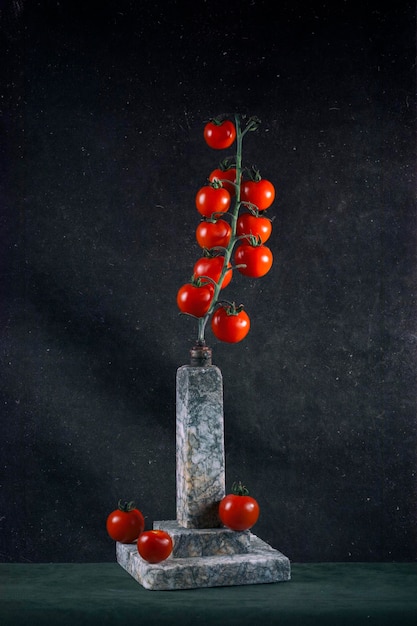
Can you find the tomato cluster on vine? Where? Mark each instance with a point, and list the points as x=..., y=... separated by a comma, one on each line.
x=232, y=233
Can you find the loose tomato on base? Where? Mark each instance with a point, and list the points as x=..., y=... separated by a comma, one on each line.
x=155, y=546
x=230, y=323
x=238, y=510
x=126, y=523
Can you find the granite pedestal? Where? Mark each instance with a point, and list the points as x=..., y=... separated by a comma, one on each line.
x=205, y=554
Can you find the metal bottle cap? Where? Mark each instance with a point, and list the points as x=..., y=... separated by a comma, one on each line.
x=200, y=356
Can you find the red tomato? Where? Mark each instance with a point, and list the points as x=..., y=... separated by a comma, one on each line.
x=260, y=192
x=257, y=258
x=126, y=523
x=213, y=234
x=211, y=200
x=212, y=266
x=195, y=298
x=248, y=224
x=155, y=545
x=226, y=177
x=230, y=324
x=238, y=510
x=219, y=135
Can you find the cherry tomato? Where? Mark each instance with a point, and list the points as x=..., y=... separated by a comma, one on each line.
x=230, y=323
x=213, y=234
x=211, y=200
x=195, y=298
x=248, y=224
x=219, y=135
x=212, y=266
x=258, y=259
x=155, y=545
x=238, y=510
x=227, y=177
x=126, y=523
x=260, y=192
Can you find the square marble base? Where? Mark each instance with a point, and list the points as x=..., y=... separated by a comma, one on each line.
x=216, y=564
x=204, y=541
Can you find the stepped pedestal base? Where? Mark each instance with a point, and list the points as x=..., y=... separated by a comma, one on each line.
x=215, y=557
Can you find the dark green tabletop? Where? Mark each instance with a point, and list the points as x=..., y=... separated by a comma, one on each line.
x=104, y=594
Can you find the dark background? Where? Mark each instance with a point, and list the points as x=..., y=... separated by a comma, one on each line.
x=102, y=112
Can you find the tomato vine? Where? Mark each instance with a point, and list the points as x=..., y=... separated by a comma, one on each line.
x=248, y=191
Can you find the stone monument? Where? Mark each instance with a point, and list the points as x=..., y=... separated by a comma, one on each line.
x=205, y=554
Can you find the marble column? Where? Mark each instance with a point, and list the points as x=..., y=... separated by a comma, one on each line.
x=200, y=470
x=205, y=554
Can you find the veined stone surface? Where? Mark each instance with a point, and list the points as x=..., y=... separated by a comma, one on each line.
x=200, y=474
x=261, y=564
x=190, y=542
x=205, y=554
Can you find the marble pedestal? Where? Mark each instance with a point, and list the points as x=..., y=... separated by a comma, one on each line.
x=214, y=565
x=205, y=554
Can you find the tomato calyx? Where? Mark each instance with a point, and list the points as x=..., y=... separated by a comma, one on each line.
x=253, y=210
x=254, y=174
x=252, y=240
x=218, y=120
x=210, y=253
x=213, y=219
x=202, y=281
x=215, y=183
x=238, y=489
x=215, y=251
x=230, y=308
x=126, y=507
x=229, y=163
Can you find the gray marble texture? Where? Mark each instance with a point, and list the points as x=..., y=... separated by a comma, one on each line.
x=261, y=564
x=192, y=542
x=200, y=457
x=205, y=554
